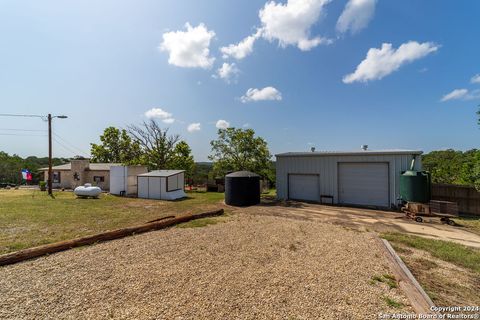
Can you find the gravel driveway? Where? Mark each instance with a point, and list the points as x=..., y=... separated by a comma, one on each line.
x=250, y=267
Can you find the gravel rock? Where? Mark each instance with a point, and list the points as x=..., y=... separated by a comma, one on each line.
x=250, y=267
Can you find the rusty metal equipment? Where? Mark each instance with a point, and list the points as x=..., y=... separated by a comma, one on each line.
x=444, y=210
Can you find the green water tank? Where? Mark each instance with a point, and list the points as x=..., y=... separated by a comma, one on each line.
x=415, y=186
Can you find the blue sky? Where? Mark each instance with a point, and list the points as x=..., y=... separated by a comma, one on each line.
x=107, y=63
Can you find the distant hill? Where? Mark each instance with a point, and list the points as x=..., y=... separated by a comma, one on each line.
x=204, y=163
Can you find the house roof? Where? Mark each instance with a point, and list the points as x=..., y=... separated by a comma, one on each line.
x=350, y=153
x=91, y=167
x=161, y=173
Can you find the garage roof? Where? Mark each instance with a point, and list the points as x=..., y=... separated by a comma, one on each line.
x=161, y=173
x=349, y=153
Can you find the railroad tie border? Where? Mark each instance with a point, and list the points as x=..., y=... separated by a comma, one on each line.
x=162, y=223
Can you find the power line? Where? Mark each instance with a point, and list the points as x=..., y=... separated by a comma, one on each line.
x=65, y=147
x=48, y=119
x=19, y=115
x=23, y=135
x=70, y=144
x=9, y=129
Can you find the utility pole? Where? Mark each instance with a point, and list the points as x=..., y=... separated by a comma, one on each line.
x=49, y=120
x=50, y=173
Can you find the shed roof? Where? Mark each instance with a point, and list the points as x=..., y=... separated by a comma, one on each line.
x=161, y=173
x=91, y=167
x=350, y=153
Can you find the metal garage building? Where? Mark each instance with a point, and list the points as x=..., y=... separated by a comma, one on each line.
x=364, y=178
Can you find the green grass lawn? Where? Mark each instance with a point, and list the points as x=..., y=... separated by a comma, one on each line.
x=445, y=250
x=29, y=218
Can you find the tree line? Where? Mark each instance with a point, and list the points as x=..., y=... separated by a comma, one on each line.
x=454, y=167
x=234, y=149
x=149, y=144
x=11, y=167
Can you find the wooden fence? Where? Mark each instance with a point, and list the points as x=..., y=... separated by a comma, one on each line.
x=467, y=198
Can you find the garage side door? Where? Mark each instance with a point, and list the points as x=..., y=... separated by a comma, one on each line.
x=363, y=184
x=303, y=187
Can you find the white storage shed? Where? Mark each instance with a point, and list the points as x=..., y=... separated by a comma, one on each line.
x=360, y=178
x=162, y=185
x=123, y=179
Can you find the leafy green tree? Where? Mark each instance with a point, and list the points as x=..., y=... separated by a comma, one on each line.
x=116, y=147
x=182, y=159
x=454, y=167
x=239, y=149
x=443, y=165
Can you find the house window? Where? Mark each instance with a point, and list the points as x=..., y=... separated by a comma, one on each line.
x=98, y=179
x=56, y=177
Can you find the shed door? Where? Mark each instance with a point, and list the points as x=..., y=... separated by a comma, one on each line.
x=154, y=188
x=143, y=187
x=304, y=187
x=363, y=184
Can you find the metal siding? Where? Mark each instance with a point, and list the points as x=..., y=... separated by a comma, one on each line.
x=117, y=179
x=326, y=167
x=304, y=187
x=143, y=187
x=154, y=189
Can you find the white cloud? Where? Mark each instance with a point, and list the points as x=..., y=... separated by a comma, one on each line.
x=190, y=48
x=241, y=49
x=246, y=125
x=290, y=23
x=267, y=93
x=475, y=79
x=192, y=127
x=356, y=15
x=227, y=72
x=381, y=62
x=168, y=120
x=461, y=94
x=159, y=113
x=222, y=124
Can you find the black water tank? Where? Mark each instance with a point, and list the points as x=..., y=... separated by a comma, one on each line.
x=242, y=188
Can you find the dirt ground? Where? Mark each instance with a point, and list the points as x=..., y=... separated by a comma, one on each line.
x=246, y=267
x=369, y=220
x=446, y=283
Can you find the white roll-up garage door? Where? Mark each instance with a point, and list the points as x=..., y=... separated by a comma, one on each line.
x=363, y=184
x=304, y=187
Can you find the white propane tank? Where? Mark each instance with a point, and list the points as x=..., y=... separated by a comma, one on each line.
x=87, y=190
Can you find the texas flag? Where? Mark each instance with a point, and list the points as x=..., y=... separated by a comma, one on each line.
x=26, y=175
